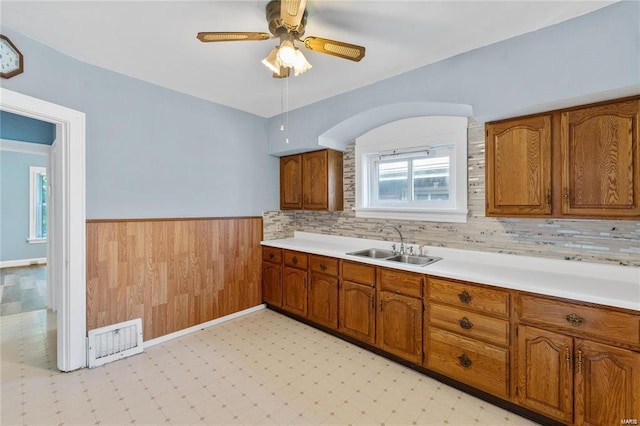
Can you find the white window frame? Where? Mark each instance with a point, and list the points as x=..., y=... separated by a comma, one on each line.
x=406, y=138
x=33, y=204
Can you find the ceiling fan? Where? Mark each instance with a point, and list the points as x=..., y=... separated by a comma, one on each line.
x=287, y=20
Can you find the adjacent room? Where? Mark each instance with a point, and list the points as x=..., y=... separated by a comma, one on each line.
x=308, y=212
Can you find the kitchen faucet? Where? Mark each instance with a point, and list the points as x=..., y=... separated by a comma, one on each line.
x=388, y=225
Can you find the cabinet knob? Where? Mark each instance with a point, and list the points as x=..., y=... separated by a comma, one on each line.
x=465, y=323
x=295, y=260
x=323, y=266
x=465, y=297
x=465, y=361
x=270, y=255
x=574, y=319
x=565, y=195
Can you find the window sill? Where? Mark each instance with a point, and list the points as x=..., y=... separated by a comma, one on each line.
x=36, y=240
x=454, y=216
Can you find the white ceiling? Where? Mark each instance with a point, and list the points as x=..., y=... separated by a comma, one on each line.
x=155, y=41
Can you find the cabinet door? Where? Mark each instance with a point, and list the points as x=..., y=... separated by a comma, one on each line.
x=357, y=311
x=291, y=182
x=271, y=284
x=315, y=185
x=607, y=384
x=323, y=300
x=601, y=160
x=545, y=372
x=399, y=326
x=294, y=291
x=518, y=154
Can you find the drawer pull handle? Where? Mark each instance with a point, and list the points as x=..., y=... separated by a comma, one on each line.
x=465, y=323
x=270, y=255
x=465, y=297
x=295, y=260
x=465, y=361
x=574, y=319
x=323, y=266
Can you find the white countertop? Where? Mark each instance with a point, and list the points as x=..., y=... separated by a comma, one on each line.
x=605, y=284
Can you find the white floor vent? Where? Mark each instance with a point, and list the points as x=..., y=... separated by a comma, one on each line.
x=114, y=342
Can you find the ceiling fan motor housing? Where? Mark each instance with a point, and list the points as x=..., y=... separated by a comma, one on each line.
x=277, y=27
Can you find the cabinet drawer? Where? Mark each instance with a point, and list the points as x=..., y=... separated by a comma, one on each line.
x=587, y=320
x=469, y=296
x=272, y=254
x=470, y=324
x=470, y=361
x=358, y=272
x=295, y=259
x=400, y=282
x=325, y=265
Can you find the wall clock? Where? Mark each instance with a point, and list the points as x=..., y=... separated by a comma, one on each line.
x=11, y=60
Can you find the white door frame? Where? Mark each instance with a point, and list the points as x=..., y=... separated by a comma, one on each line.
x=67, y=221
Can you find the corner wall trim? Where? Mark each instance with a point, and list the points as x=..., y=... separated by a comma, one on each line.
x=23, y=262
x=198, y=327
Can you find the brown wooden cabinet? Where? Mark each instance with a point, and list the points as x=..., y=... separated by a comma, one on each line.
x=581, y=162
x=323, y=291
x=291, y=182
x=357, y=301
x=467, y=336
x=574, y=379
x=399, y=315
x=519, y=173
x=312, y=181
x=272, y=276
x=294, y=283
x=601, y=160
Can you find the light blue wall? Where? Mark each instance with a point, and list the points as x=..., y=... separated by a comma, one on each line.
x=19, y=128
x=150, y=151
x=14, y=206
x=592, y=57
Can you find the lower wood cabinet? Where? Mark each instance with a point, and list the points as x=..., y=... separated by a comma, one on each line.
x=358, y=301
x=294, y=289
x=272, y=276
x=323, y=290
x=399, y=316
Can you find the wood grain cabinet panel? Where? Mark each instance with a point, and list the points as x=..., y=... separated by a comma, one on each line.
x=291, y=182
x=296, y=259
x=312, y=181
x=357, y=311
x=581, y=162
x=469, y=296
x=607, y=384
x=601, y=160
x=294, y=290
x=519, y=171
x=324, y=265
x=323, y=299
x=400, y=282
x=470, y=324
x=471, y=361
x=399, y=326
x=272, y=284
x=545, y=372
x=358, y=272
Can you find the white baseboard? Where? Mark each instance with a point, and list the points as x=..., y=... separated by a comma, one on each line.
x=23, y=262
x=204, y=325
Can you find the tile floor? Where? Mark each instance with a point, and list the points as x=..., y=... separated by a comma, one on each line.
x=260, y=369
x=23, y=289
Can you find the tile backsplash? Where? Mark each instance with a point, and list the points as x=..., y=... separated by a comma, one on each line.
x=601, y=241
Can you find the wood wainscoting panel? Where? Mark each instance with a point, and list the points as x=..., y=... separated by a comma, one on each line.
x=172, y=273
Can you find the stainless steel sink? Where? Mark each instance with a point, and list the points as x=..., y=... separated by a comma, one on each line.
x=413, y=260
x=373, y=253
x=388, y=255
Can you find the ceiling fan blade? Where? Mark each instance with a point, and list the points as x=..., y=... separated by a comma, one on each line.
x=336, y=48
x=231, y=36
x=292, y=12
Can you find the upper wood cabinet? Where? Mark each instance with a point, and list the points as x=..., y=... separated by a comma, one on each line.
x=519, y=173
x=312, y=181
x=601, y=160
x=582, y=162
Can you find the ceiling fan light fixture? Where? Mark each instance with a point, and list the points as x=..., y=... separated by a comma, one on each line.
x=287, y=53
x=272, y=62
x=301, y=64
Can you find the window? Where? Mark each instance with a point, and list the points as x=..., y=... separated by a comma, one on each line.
x=37, y=204
x=398, y=179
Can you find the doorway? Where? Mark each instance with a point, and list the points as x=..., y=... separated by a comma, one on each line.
x=66, y=234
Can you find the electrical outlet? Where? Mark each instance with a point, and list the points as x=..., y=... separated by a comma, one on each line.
x=278, y=227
